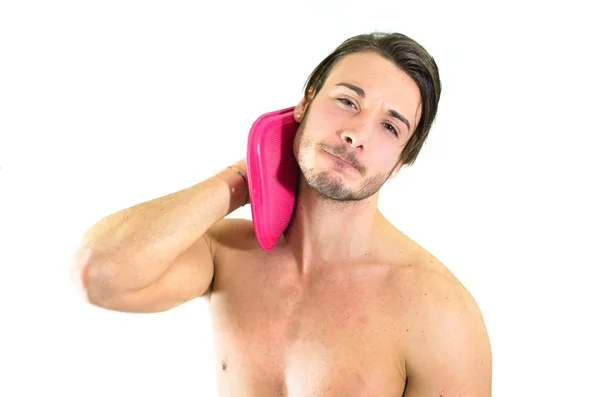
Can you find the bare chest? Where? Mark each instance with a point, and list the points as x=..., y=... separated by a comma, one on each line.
x=336, y=333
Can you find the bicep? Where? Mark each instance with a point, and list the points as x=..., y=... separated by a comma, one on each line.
x=188, y=277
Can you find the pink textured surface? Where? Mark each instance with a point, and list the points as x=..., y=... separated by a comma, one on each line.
x=272, y=174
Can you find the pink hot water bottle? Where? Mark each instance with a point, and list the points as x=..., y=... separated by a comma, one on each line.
x=272, y=174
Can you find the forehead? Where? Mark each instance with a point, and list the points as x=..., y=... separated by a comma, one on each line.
x=380, y=79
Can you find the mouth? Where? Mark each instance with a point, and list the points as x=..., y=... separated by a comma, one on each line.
x=341, y=159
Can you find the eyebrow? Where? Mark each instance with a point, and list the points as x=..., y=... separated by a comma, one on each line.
x=361, y=93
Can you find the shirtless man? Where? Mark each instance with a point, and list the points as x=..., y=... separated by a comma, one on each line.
x=345, y=304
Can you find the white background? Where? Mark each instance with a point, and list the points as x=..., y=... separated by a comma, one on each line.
x=107, y=104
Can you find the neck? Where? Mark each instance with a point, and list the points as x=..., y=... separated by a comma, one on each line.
x=324, y=231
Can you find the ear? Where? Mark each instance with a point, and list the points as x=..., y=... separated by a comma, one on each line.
x=396, y=170
x=300, y=109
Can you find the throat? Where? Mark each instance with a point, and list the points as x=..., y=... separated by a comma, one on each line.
x=331, y=242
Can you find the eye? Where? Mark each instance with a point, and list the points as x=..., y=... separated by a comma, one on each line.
x=391, y=128
x=347, y=102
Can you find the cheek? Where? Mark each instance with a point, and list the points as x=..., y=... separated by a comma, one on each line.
x=335, y=113
x=327, y=116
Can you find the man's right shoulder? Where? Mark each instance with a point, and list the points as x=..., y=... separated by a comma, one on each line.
x=231, y=233
x=226, y=238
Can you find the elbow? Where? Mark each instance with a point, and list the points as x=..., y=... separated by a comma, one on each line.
x=90, y=281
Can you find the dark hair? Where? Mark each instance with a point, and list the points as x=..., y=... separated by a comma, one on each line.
x=410, y=57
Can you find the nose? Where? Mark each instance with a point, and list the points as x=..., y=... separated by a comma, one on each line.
x=360, y=131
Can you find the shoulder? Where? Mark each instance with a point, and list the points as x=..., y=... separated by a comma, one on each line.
x=420, y=274
x=441, y=300
x=231, y=234
x=227, y=230
x=447, y=344
x=436, y=297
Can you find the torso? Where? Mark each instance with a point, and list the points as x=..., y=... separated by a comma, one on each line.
x=343, y=331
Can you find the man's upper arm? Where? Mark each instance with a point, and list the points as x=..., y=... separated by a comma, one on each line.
x=189, y=276
x=450, y=354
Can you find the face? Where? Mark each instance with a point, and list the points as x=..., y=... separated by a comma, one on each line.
x=353, y=131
